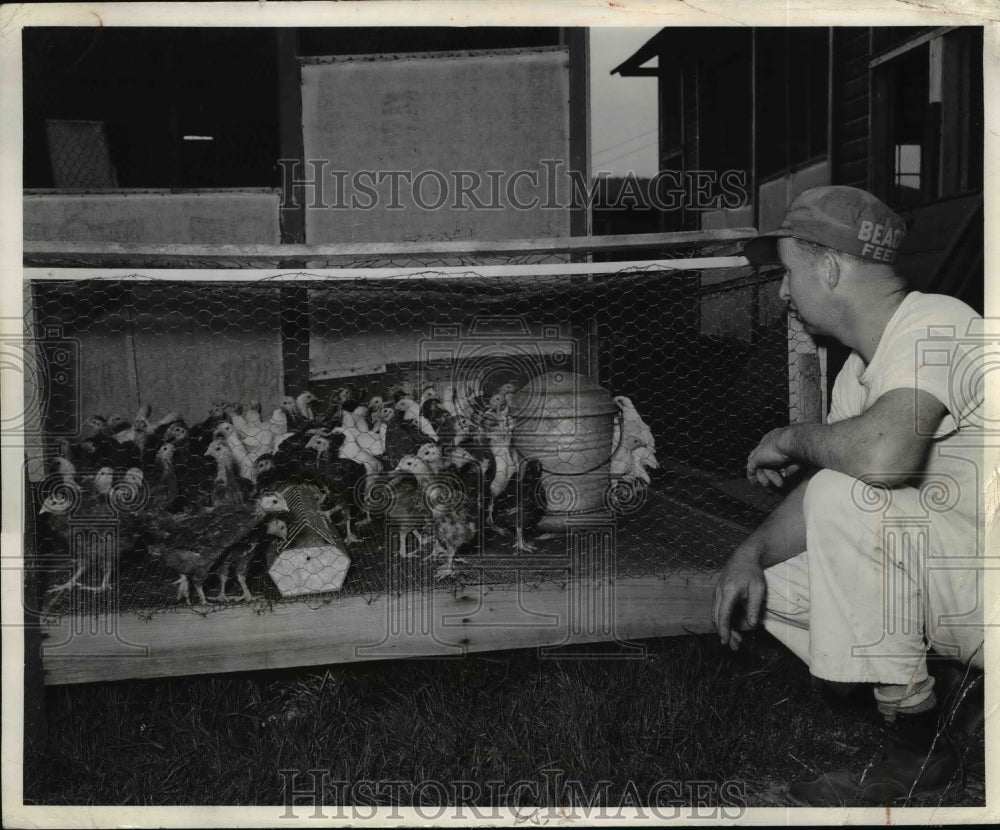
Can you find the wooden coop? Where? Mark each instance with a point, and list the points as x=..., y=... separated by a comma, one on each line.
x=133, y=324
x=170, y=294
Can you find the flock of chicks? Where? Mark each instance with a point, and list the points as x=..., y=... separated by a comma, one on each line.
x=206, y=498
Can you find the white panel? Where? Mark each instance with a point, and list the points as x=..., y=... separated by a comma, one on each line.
x=712, y=220
x=432, y=117
x=775, y=195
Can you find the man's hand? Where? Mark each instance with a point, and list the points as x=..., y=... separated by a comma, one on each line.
x=740, y=583
x=768, y=464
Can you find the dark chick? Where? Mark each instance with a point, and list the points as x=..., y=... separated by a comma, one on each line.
x=343, y=480
x=453, y=506
x=191, y=545
x=238, y=557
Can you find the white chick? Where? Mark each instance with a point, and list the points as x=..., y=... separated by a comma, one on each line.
x=227, y=432
x=632, y=423
x=411, y=412
x=257, y=437
x=448, y=400
x=303, y=403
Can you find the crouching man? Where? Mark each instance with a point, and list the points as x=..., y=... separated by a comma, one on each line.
x=873, y=558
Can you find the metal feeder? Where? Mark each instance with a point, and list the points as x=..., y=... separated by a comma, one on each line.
x=311, y=560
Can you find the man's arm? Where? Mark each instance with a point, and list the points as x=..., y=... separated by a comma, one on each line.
x=781, y=536
x=886, y=445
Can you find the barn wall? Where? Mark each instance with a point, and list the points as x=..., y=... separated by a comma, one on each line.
x=225, y=217
x=430, y=115
x=850, y=106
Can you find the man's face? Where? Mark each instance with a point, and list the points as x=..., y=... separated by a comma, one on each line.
x=801, y=287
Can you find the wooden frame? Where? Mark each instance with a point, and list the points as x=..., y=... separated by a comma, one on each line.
x=141, y=255
x=436, y=623
x=478, y=616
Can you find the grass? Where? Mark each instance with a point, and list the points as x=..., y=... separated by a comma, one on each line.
x=612, y=730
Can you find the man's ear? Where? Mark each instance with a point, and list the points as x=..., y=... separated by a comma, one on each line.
x=829, y=269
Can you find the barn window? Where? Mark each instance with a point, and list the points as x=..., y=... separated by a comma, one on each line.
x=183, y=107
x=927, y=116
x=906, y=169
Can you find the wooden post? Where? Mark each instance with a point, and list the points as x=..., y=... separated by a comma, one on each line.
x=292, y=213
x=293, y=209
x=34, y=676
x=578, y=41
x=805, y=376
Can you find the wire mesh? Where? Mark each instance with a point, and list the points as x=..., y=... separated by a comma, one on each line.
x=703, y=356
x=80, y=154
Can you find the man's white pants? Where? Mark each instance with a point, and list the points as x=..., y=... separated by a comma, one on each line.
x=885, y=572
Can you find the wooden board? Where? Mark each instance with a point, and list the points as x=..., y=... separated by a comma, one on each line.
x=142, y=255
x=248, y=216
x=436, y=623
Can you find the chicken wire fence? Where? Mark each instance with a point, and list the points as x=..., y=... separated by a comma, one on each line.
x=80, y=154
x=702, y=355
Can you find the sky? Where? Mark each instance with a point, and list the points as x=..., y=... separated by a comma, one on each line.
x=623, y=128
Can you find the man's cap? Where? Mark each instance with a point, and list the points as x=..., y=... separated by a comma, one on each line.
x=842, y=218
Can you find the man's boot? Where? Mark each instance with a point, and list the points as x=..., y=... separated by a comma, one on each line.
x=916, y=756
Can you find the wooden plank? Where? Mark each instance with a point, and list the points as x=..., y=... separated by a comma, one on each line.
x=438, y=622
x=37, y=252
x=854, y=172
x=853, y=88
x=529, y=273
x=853, y=138
x=641, y=72
x=854, y=110
x=855, y=66
x=147, y=191
x=324, y=60
x=905, y=47
x=203, y=218
x=855, y=147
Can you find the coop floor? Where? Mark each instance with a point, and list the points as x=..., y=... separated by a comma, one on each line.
x=680, y=526
x=660, y=558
